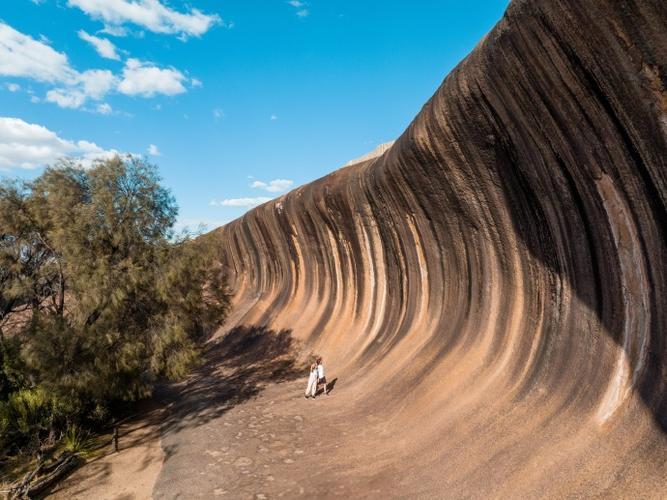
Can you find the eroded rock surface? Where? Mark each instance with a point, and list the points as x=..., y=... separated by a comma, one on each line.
x=491, y=292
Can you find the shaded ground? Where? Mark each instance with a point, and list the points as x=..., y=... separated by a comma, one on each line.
x=243, y=429
x=235, y=368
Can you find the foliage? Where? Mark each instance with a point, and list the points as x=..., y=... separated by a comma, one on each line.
x=76, y=440
x=98, y=297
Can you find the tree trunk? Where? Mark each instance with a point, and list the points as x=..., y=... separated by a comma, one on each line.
x=61, y=298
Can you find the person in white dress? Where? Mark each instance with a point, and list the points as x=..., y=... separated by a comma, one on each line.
x=321, y=379
x=311, y=388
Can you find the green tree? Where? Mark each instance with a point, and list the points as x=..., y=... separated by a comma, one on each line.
x=98, y=297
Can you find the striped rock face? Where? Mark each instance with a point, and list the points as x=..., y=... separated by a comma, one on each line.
x=493, y=288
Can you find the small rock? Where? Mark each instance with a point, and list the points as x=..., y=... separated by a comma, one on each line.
x=242, y=462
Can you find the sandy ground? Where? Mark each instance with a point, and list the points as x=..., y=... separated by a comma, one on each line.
x=129, y=474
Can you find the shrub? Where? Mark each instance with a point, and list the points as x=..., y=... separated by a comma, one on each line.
x=76, y=440
x=97, y=296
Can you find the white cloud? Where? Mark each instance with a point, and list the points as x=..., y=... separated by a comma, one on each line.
x=27, y=145
x=96, y=83
x=115, y=30
x=153, y=150
x=302, y=11
x=66, y=98
x=274, y=186
x=150, y=14
x=273, y=118
x=92, y=84
x=144, y=79
x=103, y=46
x=218, y=113
x=195, y=82
x=240, y=202
x=23, y=56
x=13, y=87
x=104, y=109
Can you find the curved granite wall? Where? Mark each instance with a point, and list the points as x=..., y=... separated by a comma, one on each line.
x=500, y=274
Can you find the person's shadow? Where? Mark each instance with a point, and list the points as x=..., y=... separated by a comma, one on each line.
x=330, y=387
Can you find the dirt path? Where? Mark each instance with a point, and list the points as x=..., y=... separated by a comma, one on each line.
x=270, y=446
x=243, y=429
x=129, y=474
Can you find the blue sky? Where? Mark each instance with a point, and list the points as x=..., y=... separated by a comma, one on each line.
x=224, y=96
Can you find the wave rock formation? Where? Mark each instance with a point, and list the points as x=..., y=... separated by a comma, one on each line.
x=492, y=290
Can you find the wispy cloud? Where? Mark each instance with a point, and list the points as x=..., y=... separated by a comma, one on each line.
x=300, y=7
x=119, y=31
x=153, y=150
x=104, y=109
x=218, y=113
x=273, y=118
x=102, y=46
x=199, y=225
x=152, y=15
x=28, y=145
x=13, y=87
x=241, y=202
x=274, y=186
x=92, y=84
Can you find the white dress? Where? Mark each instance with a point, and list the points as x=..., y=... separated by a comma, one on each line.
x=311, y=388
